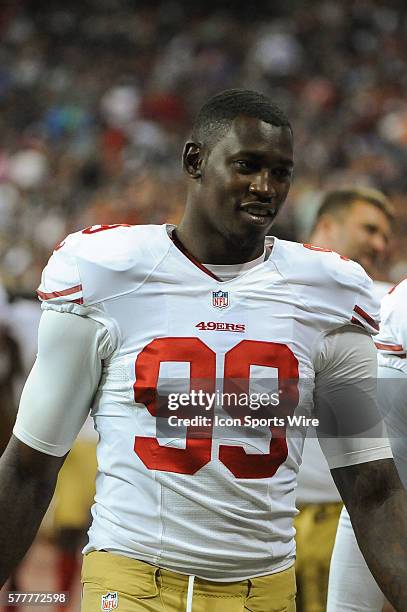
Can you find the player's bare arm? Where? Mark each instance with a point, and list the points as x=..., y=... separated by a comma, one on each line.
x=28, y=480
x=376, y=502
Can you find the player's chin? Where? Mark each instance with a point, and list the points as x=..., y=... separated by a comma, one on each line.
x=247, y=237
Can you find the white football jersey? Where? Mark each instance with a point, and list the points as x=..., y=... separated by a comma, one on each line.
x=213, y=501
x=392, y=339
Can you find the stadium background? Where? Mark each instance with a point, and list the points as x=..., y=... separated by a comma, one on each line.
x=96, y=99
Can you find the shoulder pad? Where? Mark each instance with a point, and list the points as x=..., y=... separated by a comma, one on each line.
x=100, y=262
x=331, y=283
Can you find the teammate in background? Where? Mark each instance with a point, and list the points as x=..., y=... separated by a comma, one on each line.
x=10, y=369
x=357, y=224
x=202, y=519
x=74, y=496
x=348, y=568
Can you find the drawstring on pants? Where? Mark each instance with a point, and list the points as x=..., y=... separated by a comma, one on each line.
x=190, y=593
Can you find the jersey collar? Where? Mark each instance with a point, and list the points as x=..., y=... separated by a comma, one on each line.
x=170, y=229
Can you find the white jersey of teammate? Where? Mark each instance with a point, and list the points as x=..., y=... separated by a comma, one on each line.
x=392, y=340
x=218, y=508
x=356, y=590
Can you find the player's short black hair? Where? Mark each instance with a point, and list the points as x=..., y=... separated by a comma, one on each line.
x=216, y=115
x=339, y=201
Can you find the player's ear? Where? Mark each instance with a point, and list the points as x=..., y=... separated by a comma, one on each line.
x=192, y=158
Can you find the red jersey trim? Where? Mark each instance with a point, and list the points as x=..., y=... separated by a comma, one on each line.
x=187, y=254
x=389, y=347
x=395, y=286
x=357, y=322
x=366, y=317
x=56, y=294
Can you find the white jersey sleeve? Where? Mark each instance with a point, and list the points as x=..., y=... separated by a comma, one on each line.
x=336, y=294
x=315, y=483
x=345, y=398
x=58, y=393
x=75, y=335
x=351, y=430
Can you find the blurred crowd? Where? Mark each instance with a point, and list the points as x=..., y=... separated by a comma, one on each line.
x=96, y=99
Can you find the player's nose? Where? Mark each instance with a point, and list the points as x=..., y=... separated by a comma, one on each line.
x=379, y=243
x=262, y=184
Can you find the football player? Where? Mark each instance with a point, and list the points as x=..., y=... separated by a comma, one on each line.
x=355, y=223
x=200, y=517
x=348, y=568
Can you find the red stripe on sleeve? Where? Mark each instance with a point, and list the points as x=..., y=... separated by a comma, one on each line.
x=366, y=317
x=389, y=347
x=55, y=294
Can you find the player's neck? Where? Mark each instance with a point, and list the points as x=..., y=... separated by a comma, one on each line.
x=213, y=248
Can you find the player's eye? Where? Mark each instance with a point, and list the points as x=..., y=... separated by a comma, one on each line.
x=282, y=172
x=371, y=229
x=245, y=166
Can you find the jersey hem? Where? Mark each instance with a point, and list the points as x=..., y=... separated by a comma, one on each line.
x=146, y=559
x=39, y=445
x=361, y=456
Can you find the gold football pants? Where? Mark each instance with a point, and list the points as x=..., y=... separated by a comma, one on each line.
x=115, y=582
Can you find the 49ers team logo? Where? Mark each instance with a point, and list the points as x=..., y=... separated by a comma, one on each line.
x=220, y=299
x=110, y=601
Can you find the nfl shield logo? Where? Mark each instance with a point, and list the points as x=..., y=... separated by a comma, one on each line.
x=110, y=601
x=220, y=299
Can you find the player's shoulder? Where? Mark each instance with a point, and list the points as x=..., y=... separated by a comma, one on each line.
x=319, y=265
x=329, y=282
x=396, y=297
x=108, y=244
x=101, y=261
